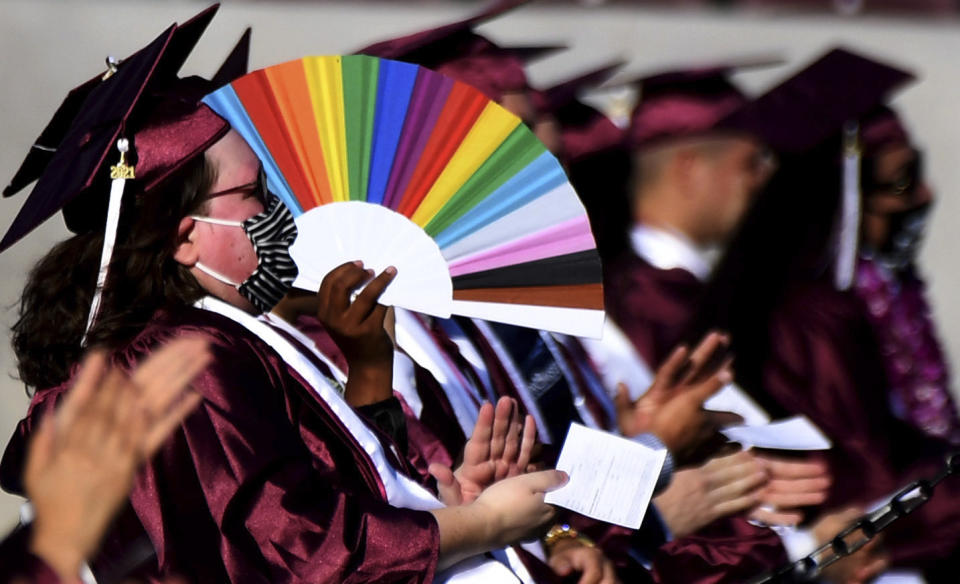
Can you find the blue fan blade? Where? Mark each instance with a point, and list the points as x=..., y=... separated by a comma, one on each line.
x=394, y=87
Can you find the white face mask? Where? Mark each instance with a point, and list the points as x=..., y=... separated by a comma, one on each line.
x=272, y=233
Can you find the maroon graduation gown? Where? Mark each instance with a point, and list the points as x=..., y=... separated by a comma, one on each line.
x=261, y=483
x=653, y=307
x=824, y=362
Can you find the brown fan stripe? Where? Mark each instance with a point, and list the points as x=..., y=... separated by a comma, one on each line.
x=577, y=296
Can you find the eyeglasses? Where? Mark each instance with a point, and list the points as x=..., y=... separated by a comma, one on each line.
x=904, y=184
x=257, y=188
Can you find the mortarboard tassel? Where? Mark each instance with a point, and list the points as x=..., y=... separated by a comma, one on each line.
x=119, y=175
x=849, y=227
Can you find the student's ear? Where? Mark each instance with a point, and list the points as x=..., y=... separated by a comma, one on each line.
x=186, y=252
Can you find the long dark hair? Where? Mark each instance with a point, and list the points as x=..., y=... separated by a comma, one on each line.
x=142, y=278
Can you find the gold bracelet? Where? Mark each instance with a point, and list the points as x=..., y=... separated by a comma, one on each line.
x=563, y=531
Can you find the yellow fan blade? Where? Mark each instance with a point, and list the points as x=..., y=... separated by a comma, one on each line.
x=326, y=91
x=490, y=130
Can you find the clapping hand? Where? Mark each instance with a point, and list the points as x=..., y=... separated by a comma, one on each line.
x=499, y=448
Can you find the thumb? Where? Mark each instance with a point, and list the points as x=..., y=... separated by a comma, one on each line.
x=447, y=485
x=545, y=480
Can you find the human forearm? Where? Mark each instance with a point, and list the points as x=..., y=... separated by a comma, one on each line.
x=464, y=532
x=369, y=383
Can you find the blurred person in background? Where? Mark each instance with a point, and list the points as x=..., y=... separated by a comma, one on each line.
x=804, y=341
x=897, y=202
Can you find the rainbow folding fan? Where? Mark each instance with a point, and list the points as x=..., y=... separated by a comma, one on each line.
x=395, y=164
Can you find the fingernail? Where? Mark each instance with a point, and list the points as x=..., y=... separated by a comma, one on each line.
x=358, y=263
x=391, y=270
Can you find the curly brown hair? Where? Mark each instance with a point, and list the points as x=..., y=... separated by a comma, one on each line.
x=143, y=277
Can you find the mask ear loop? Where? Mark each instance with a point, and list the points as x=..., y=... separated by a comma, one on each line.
x=119, y=175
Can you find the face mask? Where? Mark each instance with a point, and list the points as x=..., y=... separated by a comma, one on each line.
x=272, y=233
x=906, y=235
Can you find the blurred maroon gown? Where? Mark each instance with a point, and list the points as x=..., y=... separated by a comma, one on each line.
x=653, y=307
x=824, y=362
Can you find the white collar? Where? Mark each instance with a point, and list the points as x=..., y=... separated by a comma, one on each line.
x=668, y=249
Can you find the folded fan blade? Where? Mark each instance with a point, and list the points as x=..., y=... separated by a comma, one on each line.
x=487, y=183
x=325, y=83
x=430, y=93
x=360, y=75
x=540, y=177
x=293, y=98
x=394, y=90
x=564, y=238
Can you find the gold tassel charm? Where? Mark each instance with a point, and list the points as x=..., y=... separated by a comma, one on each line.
x=122, y=170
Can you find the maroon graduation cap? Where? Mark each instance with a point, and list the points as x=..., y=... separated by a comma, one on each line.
x=584, y=129
x=421, y=46
x=561, y=94
x=139, y=98
x=687, y=102
x=459, y=52
x=492, y=69
x=814, y=104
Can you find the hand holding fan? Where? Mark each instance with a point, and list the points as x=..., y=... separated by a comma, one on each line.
x=394, y=164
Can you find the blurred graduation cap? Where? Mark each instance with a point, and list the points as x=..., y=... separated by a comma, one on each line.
x=425, y=46
x=584, y=129
x=817, y=102
x=456, y=50
x=688, y=101
x=806, y=221
x=559, y=95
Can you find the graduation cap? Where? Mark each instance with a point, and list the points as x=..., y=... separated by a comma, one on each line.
x=559, y=95
x=141, y=99
x=422, y=46
x=814, y=104
x=139, y=116
x=493, y=69
x=880, y=128
x=459, y=52
x=687, y=102
x=584, y=129
x=235, y=65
